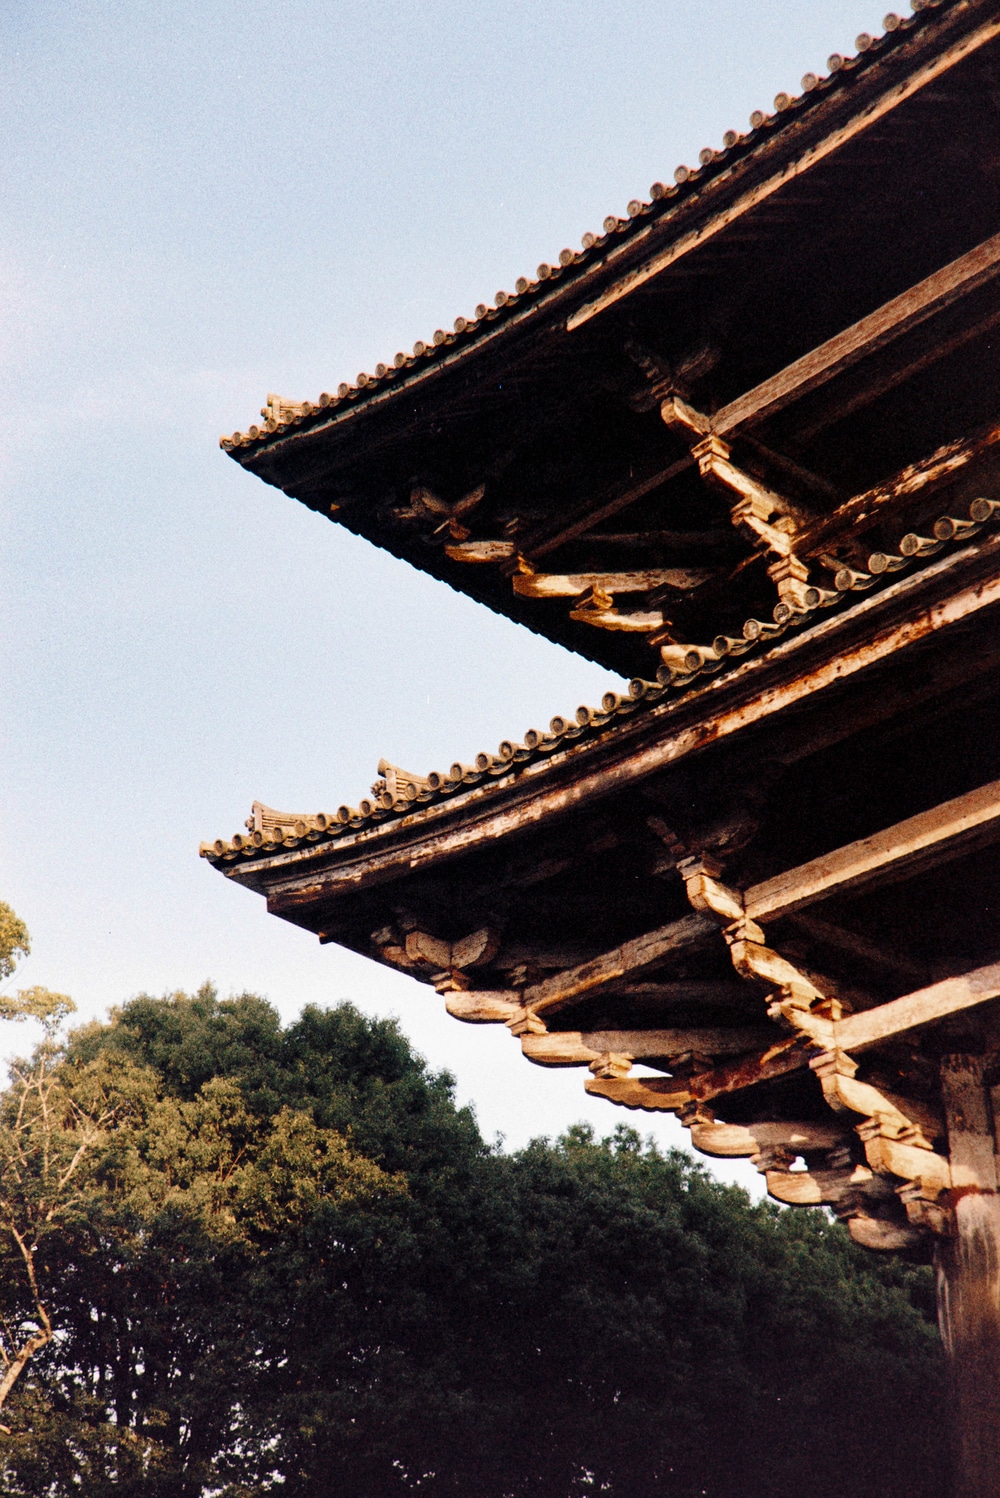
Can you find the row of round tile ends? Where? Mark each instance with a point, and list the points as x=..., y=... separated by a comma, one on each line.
x=700, y=660
x=836, y=64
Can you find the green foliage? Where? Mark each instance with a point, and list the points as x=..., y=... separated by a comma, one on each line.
x=14, y=942
x=293, y=1266
x=51, y=1009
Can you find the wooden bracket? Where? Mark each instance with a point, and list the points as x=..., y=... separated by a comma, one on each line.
x=611, y=1064
x=882, y=1233
x=770, y=517
x=747, y=1140
x=484, y=1007
x=475, y=950
x=479, y=552
x=927, y=1209
x=886, y=1115
x=682, y=418
x=639, y=623
x=705, y=892
x=525, y=1022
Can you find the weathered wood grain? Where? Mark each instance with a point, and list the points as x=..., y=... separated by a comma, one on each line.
x=950, y=996
x=572, y=585
x=632, y=956
x=944, y=832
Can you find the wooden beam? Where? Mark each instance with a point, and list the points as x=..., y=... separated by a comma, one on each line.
x=681, y=991
x=714, y=1041
x=651, y=1094
x=669, y=1094
x=864, y=338
x=950, y=996
x=840, y=939
x=932, y=837
x=576, y=1048
x=792, y=1053
x=571, y=585
x=484, y=1007
x=810, y=156
x=639, y=623
x=602, y=507
x=730, y=1141
x=865, y=510
x=786, y=1054
x=481, y=551
x=686, y=541
x=632, y=956
x=870, y=385
x=848, y=1187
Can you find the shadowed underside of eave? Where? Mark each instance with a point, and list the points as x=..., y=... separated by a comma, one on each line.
x=528, y=462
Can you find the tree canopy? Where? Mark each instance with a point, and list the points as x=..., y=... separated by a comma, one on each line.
x=293, y=1266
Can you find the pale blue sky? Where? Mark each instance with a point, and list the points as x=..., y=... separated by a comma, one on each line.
x=205, y=201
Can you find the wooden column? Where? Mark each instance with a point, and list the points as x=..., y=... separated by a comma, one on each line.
x=968, y=1277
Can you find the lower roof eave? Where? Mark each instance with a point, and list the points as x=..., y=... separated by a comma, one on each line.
x=830, y=654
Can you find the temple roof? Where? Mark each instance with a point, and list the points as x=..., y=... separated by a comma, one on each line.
x=777, y=382
x=400, y=795
x=689, y=422
x=874, y=52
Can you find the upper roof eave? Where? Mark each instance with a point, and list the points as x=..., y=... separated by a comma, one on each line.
x=583, y=277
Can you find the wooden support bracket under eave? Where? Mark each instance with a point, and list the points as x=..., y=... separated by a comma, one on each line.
x=794, y=1053
x=572, y=585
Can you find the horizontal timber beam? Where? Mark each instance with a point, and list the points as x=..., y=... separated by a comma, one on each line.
x=910, y=1012
x=864, y=510
x=863, y=338
x=642, y=952
x=727, y=1140
x=576, y=1048
x=669, y=1094
x=950, y=996
x=571, y=585
x=932, y=837
x=611, y=502
x=707, y=1040
x=855, y=1033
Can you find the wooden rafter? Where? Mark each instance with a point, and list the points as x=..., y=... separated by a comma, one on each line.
x=631, y=957
x=864, y=338
x=934, y=836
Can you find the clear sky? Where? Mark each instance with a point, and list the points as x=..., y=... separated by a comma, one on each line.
x=207, y=200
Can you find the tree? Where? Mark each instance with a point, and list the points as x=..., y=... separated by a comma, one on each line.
x=14, y=941
x=297, y=1268
x=45, y=1136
